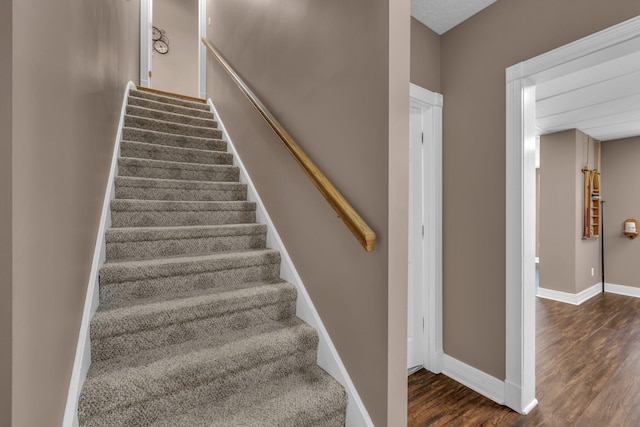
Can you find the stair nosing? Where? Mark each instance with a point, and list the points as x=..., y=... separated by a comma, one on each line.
x=252, y=229
x=172, y=123
x=171, y=113
x=203, y=138
x=167, y=103
x=173, y=147
x=207, y=165
x=168, y=97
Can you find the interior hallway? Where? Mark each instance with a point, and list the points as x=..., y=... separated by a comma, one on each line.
x=587, y=369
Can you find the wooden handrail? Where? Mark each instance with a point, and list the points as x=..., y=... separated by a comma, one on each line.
x=345, y=211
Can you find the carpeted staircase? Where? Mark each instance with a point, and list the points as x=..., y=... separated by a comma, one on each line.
x=195, y=326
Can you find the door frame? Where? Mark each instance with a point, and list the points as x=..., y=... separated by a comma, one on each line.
x=146, y=51
x=431, y=104
x=521, y=80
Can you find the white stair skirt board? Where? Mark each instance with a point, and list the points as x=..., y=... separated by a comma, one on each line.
x=566, y=297
x=630, y=291
x=83, y=348
x=481, y=382
x=328, y=357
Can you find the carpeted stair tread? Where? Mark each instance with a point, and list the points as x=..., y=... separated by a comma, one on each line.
x=129, y=270
x=172, y=108
x=144, y=357
x=145, y=242
x=168, y=116
x=172, y=205
x=310, y=397
x=169, y=127
x=142, y=394
x=125, y=281
x=178, y=190
x=143, y=150
x=169, y=99
x=148, y=168
x=131, y=329
x=164, y=138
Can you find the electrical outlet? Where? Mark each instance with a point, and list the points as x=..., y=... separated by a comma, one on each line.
x=593, y=271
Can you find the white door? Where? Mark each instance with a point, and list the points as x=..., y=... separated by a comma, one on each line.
x=146, y=38
x=415, y=327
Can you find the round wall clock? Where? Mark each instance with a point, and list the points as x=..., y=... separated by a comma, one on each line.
x=157, y=34
x=161, y=46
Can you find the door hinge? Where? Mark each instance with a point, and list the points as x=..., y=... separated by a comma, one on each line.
x=423, y=323
x=422, y=137
x=150, y=73
x=423, y=231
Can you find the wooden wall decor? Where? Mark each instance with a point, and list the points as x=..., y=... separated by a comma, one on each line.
x=591, y=212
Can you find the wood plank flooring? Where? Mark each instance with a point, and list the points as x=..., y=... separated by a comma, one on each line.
x=587, y=373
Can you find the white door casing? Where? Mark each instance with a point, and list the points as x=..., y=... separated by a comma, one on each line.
x=146, y=26
x=430, y=301
x=146, y=48
x=415, y=326
x=521, y=80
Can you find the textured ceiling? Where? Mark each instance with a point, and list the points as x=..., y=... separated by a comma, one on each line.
x=443, y=15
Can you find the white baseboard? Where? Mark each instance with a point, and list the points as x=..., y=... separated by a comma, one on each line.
x=629, y=291
x=83, y=348
x=328, y=357
x=566, y=297
x=488, y=386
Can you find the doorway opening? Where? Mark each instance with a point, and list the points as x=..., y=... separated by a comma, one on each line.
x=172, y=57
x=523, y=80
x=424, y=341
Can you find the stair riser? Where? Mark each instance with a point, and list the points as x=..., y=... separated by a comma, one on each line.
x=177, y=194
x=121, y=345
x=164, y=248
x=146, y=412
x=161, y=152
x=218, y=174
x=170, y=108
x=114, y=294
x=150, y=137
x=169, y=100
x=166, y=219
x=170, y=117
x=172, y=128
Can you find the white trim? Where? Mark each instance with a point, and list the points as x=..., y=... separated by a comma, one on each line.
x=569, y=298
x=328, y=357
x=146, y=22
x=202, y=50
x=630, y=291
x=614, y=42
x=83, y=348
x=476, y=380
x=432, y=210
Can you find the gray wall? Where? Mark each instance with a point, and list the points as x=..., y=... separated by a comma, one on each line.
x=177, y=71
x=326, y=71
x=5, y=211
x=558, y=211
x=587, y=251
x=565, y=258
x=620, y=181
x=474, y=57
x=66, y=106
x=425, y=56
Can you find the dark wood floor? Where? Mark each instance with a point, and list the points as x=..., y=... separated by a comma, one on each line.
x=587, y=373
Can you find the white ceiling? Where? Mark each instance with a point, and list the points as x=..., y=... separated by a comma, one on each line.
x=602, y=101
x=443, y=15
